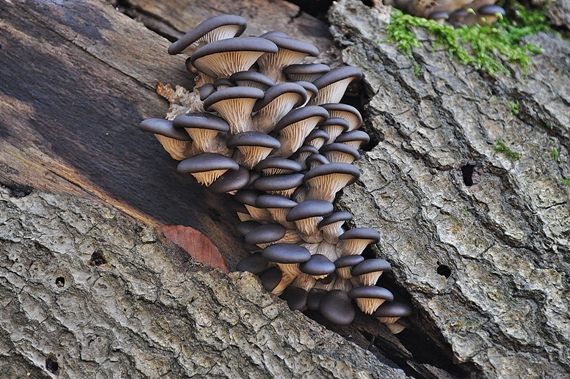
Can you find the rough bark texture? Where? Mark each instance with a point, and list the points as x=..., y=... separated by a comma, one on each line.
x=86, y=292
x=487, y=259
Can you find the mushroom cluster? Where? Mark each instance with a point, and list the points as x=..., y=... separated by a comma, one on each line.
x=272, y=132
x=454, y=12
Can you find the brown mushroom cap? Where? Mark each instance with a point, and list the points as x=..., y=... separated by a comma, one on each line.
x=253, y=147
x=227, y=56
x=317, y=138
x=203, y=128
x=310, y=208
x=295, y=297
x=314, y=298
x=210, y=30
x=337, y=307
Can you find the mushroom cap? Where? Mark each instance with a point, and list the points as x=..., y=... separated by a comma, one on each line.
x=231, y=181
x=347, y=149
x=236, y=45
x=353, y=135
x=253, y=139
x=314, y=298
x=393, y=309
x=252, y=76
x=337, y=307
x=270, y=278
x=438, y=15
x=337, y=108
x=287, y=43
x=247, y=196
x=370, y=292
x=310, y=208
x=275, y=33
x=245, y=227
x=348, y=260
x=306, y=69
x=318, y=265
x=277, y=90
x=255, y=264
x=300, y=114
x=317, y=133
x=491, y=10
x=286, y=253
x=201, y=120
x=296, y=297
x=333, y=168
x=371, y=265
x=335, y=121
x=335, y=217
x=225, y=82
x=232, y=93
x=309, y=87
x=361, y=233
x=204, y=28
x=274, y=201
x=317, y=159
x=206, y=162
x=265, y=233
x=206, y=90
x=338, y=74
x=164, y=128
x=279, y=163
x=278, y=182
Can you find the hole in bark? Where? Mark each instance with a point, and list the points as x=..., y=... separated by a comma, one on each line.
x=51, y=365
x=97, y=259
x=368, y=3
x=60, y=281
x=467, y=172
x=19, y=190
x=316, y=8
x=444, y=270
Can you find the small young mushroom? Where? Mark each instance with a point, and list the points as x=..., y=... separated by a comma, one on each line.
x=333, y=84
x=175, y=141
x=354, y=241
x=345, y=264
x=287, y=256
x=252, y=147
x=334, y=126
x=369, y=298
x=213, y=29
x=308, y=72
x=296, y=293
x=348, y=112
x=317, y=138
x=310, y=88
x=316, y=160
x=231, y=182
x=331, y=226
x=326, y=180
x=207, y=167
x=354, y=138
x=255, y=264
x=235, y=105
x=271, y=278
x=337, y=307
x=368, y=271
x=339, y=152
x=392, y=311
x=489, y=13
x=303, y=153
x=248, y=197
x=307, y=215
x=319, y=266
x=222, y=58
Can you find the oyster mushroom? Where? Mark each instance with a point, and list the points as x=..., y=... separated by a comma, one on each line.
x=175, y=141
x=207, y=167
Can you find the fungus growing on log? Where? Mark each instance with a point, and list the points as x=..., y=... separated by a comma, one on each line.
x=282, y=160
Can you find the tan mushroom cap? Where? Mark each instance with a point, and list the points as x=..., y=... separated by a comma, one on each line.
x=333, y=84
x=207, y=167
x=252, y=147
x=235, y=105
x=326, y=180
x=175, y=141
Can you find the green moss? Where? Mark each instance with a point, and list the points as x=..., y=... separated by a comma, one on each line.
x=514, y=107
x=565, y=181
x=555, y=153
x=500, y=147
x=479, y=46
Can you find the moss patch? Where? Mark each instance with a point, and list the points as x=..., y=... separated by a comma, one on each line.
x=500, y=147
x=479, y=46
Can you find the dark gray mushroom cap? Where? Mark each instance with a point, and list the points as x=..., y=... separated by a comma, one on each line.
x=274, y=201
x=206, y=162
x=270, y=278
x=274, y=33
x=335, y=217
x=337, y=307
x=361, y=233
x=287, y=43
x=307, y=149
x=255, y=264
x=335, y=121
x=333, y=168
x=247, y=196
x=253, y=139
x=232, y=93
x=252, y=76
x=204, y=28
x=319, y=158
x=371, y=265
x=206, y=90
x=338, y=74
x=348, y=260
x=306, y=69
x=278, y=182
x=309, y=87
x=353, y=135
x=201, y=120
x=491, y=10
x=234, y=44
x=347, y=149
x=245, y=227
x=231, y=181
x=279, y=163
x=340, y=107
x=370, y=292
x=317, y=265
x=300, y=114
x=295, y=297
x=286, y=253
x=317, y=133
x=164, y=128
x=314, y=298
x=393, y=309
x=439, y=15
x=265, y=233
x=277, y=90
x=310, y=208
x=223, y=82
